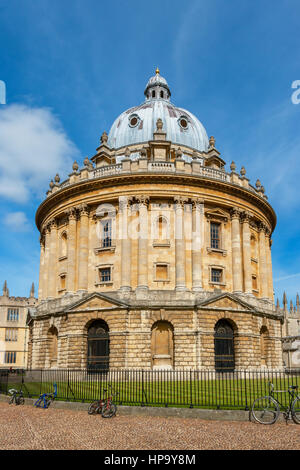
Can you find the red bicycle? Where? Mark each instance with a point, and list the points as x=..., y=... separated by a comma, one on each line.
x=104, y=406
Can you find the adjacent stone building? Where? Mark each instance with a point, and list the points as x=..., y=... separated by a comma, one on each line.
x=154, y=256
x=14, y=332
x=291, y=333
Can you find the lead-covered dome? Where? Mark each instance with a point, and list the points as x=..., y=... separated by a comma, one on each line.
x=137, y=125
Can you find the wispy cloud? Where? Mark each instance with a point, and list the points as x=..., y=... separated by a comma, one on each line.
x=33, y=146
x=17, y=222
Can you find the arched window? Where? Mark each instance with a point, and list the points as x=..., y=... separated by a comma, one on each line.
x=264, y=334
x=162, y=230
x=53, y=343
x=153, y=94
x=161, y=94
x=106, y=233
x=63, y=245
x=162, y=345
x=224, y=347
x=98, y=346
x=253, y=247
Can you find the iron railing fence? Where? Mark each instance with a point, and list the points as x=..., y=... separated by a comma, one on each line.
x=174, y=388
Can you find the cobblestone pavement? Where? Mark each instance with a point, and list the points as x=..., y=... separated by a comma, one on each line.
x=26, y=427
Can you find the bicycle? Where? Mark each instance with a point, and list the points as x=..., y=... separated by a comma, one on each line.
x=104, y=406
x=45, y=400
x=266, y=410
x=16, y=396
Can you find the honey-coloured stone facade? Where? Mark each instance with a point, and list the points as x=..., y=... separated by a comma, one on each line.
x=156, y=249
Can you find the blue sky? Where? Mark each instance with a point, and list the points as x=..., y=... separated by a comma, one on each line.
x=72, y=66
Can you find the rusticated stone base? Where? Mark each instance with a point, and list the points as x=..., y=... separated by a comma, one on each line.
x=130, y=324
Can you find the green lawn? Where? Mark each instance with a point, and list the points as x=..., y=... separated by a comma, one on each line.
x=224, y=394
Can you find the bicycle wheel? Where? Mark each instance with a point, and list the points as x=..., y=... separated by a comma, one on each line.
x=296, y=410
x=11, y=400
x=93, y=408
x=38, y=403
x=20, y=401
x=108, y=410
x=265, y=410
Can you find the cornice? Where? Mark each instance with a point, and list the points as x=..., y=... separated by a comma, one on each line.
x=82, y=187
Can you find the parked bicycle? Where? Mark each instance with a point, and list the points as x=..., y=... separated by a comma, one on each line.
x=45, y=400
x=104, y=406
x=16, y=396
x=266, y=409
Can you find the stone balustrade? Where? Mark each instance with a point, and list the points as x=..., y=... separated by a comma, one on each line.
x=127, y=166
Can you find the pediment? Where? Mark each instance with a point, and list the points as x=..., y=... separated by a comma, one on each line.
x=227, y=302
x=217, y=214
x=96, y=301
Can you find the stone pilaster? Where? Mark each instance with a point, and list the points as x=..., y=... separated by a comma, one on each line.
x=263, y=262
x=247, y=269
x=83, y=248
x=180, y=275
x=125, y=244
x=197, y=244
x=143, y=243
x=71, y=261
x=42, y=268
x=269, y=265
x=46, y=262
x=52, y=265
x=237, y=281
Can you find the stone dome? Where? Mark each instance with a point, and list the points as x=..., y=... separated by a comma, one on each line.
x=137, y=124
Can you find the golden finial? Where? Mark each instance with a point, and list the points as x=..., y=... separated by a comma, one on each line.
x=157, y=71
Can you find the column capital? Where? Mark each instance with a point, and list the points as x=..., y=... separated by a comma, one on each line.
x=71, y=213
x=180, y=201
x=246, y=217
x=235, y=213
x=124, y=202
x=83, y=210
x=262, y=227
x=197, y=203
x=142, y=200
x=52, y=224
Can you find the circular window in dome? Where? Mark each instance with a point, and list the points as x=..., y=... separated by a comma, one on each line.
x=183, y=122
x=133, y=120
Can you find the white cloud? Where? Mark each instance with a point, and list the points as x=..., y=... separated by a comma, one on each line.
x=33, y=148
x=17, y=221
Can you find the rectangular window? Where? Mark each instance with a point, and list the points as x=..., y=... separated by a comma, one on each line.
x=216, y=275
x=254, y=282
x=161, y=272
x=10, y=357
x=215, y=235
x=63, y=282
x=11, y=334
x=13, y=314
x=106, y=233
x=105, y=274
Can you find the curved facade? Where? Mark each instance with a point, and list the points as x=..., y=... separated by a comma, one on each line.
x=168, y=251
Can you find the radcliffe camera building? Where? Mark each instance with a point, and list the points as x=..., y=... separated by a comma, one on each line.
x=153, y=256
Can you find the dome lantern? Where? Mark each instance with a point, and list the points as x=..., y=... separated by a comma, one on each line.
x=157, y=88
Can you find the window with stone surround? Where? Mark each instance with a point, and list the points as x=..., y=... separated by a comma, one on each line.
x=215, y=235
x=161, y=272
x=62, y=281
x=13, y=314
x=63, y=246
x=105, y=274
x=217, y=275
x=10, y=357
x=11, y=334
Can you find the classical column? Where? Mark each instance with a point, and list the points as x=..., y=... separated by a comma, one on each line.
x=41, y=292
x=52, y=264
x=71, y=261
x=237, y=283
x=125, y=244
x=143, y=243
x=247, y=253
x=83, y=248
x=197, y=242
x=180, y=283
x=269, y=265
x=46, y=262
x=263, y=262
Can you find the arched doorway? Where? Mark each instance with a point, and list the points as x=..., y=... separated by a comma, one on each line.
x=264, y=335
x=162, y=345
x=224, y=347
x=53, y=343
x=98, y=346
